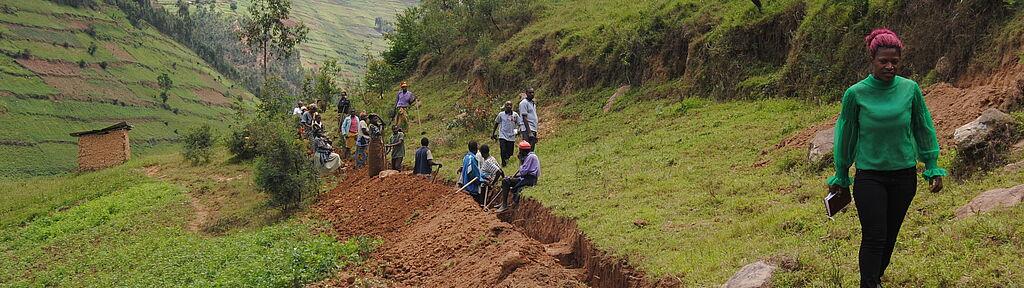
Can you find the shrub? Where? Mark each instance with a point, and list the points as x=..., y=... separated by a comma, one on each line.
x=92, y=49
x=282, y=169
x=198, y=142
x=81, y=63
x=103, y=65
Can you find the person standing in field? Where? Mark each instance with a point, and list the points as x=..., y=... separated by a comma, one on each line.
x=528, y=110
x=402, y=103
x=344, y=105
x=397, y=145
x=509, y=123
x=350, y=129
x=362, y=140
x=884, y=128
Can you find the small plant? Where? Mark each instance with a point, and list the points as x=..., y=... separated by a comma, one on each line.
x=81, y=63
x=198, y=144
x=65, y=45
x=163, y=96
x=24, y=54
x=91, y=49
x=103, y=65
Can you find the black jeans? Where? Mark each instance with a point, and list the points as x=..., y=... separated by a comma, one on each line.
x=882, y=199
x=507, y=149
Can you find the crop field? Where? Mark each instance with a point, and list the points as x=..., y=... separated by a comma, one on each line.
x=65, y=69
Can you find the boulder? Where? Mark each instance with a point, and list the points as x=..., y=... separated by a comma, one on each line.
x=754, y=275
x=984, y=129
x=819, y=152
x=1013, y=167
x=611, y=100
x=1006, y=197
x=386, y=173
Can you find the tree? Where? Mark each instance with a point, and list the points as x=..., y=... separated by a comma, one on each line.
x=380, y=75
x=165, y=83
x=322, y=85
x=266, y=30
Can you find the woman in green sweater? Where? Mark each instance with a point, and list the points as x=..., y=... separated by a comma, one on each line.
x=884, y=128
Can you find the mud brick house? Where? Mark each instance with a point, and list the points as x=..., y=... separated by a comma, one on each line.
x=98, y=149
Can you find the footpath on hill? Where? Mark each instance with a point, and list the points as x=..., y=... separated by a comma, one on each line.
x=435, y=236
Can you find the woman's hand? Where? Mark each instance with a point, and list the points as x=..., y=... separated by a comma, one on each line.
x=936, y=184
x=834, y=189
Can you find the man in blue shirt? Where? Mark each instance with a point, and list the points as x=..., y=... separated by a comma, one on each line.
x=528, y=174
x=424, y=159
x=471, y=173
x=405, y=99
x=528, y=110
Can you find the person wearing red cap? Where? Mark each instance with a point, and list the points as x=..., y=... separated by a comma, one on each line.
x=527, y=175
x=402, y=103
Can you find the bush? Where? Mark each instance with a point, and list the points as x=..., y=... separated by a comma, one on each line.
x=103, y=65
x=92, y=49
x=81, y=63
x=282, y=169
x=198, y=142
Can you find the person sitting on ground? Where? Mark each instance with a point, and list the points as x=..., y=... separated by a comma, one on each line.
x=298, y=108
x=328, y=160
x=509, y=122
x=350, y=128
x=424, y=159
x=318, y=124
x=528, y=174
x=470, y=173
x=397, y=145
x=362, y=142
x=489, y=168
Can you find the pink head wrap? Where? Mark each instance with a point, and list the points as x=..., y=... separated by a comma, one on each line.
x=882, y=38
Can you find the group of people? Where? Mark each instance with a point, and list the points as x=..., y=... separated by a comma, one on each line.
x=480, y=172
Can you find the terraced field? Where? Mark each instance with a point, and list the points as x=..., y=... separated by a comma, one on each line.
x=64, y=69
x=339, y=29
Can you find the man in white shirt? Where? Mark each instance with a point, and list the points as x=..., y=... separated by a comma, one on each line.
x=508, y=122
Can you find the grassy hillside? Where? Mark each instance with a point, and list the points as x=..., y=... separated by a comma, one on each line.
x=690, y=149
x=339, y=29
x=156, y=222
x=64, y=69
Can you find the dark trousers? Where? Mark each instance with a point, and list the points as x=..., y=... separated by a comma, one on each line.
x=396, y=163
x=532, y=139
x=507, y=149
x=882, y=199
x=515, y=185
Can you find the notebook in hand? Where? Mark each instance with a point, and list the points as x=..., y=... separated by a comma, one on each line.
x=836, y=201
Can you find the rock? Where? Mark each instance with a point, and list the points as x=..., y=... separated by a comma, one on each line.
x=622, y=90
x=754, y=275
x=386, y=173
x=1006, y=197
x=1014, y=167
x=1017, y=148
x=982, y=129
x=819, y=152
x=640, y=223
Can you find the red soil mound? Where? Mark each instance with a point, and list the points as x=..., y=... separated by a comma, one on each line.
x=211, y=96
x=56, y=68
x=950, y=106
x=434, y=238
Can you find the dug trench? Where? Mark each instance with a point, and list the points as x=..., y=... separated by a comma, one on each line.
x=434, y=236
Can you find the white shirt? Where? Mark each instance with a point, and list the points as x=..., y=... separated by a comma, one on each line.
x=296, y=111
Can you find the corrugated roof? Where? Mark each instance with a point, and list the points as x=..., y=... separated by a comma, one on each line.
x=118, y=126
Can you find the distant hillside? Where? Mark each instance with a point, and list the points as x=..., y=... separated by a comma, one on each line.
x=67, y=69
x=339, y=29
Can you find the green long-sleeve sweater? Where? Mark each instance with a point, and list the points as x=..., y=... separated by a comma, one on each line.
x=884, y=126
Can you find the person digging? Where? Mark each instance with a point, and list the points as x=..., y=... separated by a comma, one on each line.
x=527, y=176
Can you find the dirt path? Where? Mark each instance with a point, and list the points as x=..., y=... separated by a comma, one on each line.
x=202, y=212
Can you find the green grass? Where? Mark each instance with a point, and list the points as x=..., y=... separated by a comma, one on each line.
x=338, y=29
x=119, y=227
x=686, y=166
x=122, y=91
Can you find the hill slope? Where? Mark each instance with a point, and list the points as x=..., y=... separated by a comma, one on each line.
x=339, y=29
x=65, y=69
